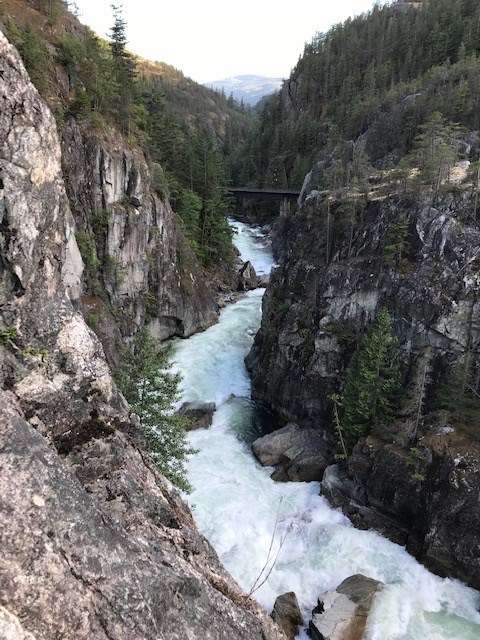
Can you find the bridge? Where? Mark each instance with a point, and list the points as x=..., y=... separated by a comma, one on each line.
x=263, y=194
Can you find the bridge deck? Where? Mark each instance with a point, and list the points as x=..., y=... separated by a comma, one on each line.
x=263, y=194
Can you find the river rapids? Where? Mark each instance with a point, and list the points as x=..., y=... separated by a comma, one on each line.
x=278, y=537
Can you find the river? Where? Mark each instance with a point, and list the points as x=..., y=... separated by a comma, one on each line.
x=239, y=508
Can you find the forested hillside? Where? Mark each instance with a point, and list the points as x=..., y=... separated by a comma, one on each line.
x=374, y=79
x=189, y=131
x=371, y=324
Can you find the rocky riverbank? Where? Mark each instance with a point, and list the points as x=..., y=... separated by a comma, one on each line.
x=335, y=275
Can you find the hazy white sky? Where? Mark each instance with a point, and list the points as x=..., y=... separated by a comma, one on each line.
x=210, y=40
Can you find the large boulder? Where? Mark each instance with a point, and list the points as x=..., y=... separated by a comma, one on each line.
x=198, y=414
x=342, y=614
x=247, y=277
x=286, y=613
x=298, y=453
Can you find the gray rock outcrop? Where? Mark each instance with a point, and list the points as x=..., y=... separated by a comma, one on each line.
x=321, y=298
x=141, y=266
x=299, y=454
x=198, y=414
x=342, y=614
x=247, y=277
x=327, y=289
x=432, y=508
x=12, y=628
x=286, y=613
x=107, y=548
x=95, y=542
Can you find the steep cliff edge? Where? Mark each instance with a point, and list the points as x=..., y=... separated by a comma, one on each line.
x=140, y=267
x=138, y=263
x=95, y=542
x=336, y=275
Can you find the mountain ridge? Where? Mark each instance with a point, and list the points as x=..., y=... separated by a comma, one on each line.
x=250, y=88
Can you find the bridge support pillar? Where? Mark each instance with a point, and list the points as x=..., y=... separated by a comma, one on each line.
x=285, y=207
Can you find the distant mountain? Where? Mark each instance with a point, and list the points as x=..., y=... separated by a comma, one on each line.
x=250, y=88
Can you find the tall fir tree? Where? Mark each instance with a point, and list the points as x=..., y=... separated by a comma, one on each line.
x=149, y=386
x=373, y=386
x=124, y=72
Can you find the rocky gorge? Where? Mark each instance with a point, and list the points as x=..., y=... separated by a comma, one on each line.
x=416, y=480
x=97, y=543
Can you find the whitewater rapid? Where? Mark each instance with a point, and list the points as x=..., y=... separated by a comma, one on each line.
x=238, y=507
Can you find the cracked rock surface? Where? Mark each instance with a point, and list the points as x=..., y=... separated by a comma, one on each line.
x=335, y=275
x=95, y=542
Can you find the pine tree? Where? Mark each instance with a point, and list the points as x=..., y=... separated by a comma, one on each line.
x=189, y=210
x=396, y=242
x=373, y=386
x=124, y=71
x=436, y=149
x=36, y=57
x=460, y=394
x=151, y=389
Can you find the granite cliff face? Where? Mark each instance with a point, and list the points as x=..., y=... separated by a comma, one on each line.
x=431, y=508
x=95, y=542
x=321, y=298
x=139, y=263
x=335, y=275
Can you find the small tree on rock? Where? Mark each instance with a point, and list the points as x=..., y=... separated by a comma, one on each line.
x=151, y=389
x=373, y=386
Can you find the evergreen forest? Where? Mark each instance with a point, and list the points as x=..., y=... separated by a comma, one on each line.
x=360, y=94
x=373, y=98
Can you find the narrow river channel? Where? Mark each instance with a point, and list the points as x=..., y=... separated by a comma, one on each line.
x=238, y=507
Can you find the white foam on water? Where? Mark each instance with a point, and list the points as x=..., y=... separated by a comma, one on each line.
x=252, y=244
x=239, y=508
x=211, y=363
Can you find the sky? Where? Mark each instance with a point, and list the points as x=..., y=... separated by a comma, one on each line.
x=214, y=40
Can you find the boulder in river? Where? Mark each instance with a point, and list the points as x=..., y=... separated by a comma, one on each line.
x=342, y=614
x=287, y=615
x=297, y=452
x=198, y=414
x=247, y=277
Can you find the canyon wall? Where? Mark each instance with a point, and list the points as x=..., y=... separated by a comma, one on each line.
x=95, y=542
x=416, y=480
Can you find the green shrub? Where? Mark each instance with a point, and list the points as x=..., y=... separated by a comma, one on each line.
x=151, y=389
x=93, y=320
x=10, y=333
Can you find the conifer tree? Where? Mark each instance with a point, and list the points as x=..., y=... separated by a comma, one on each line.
x=436, y=149
x=396, y=242
x=151, y=389
x=460, y=394
x=124, y=71
x=373, y=385
x=35, y=57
